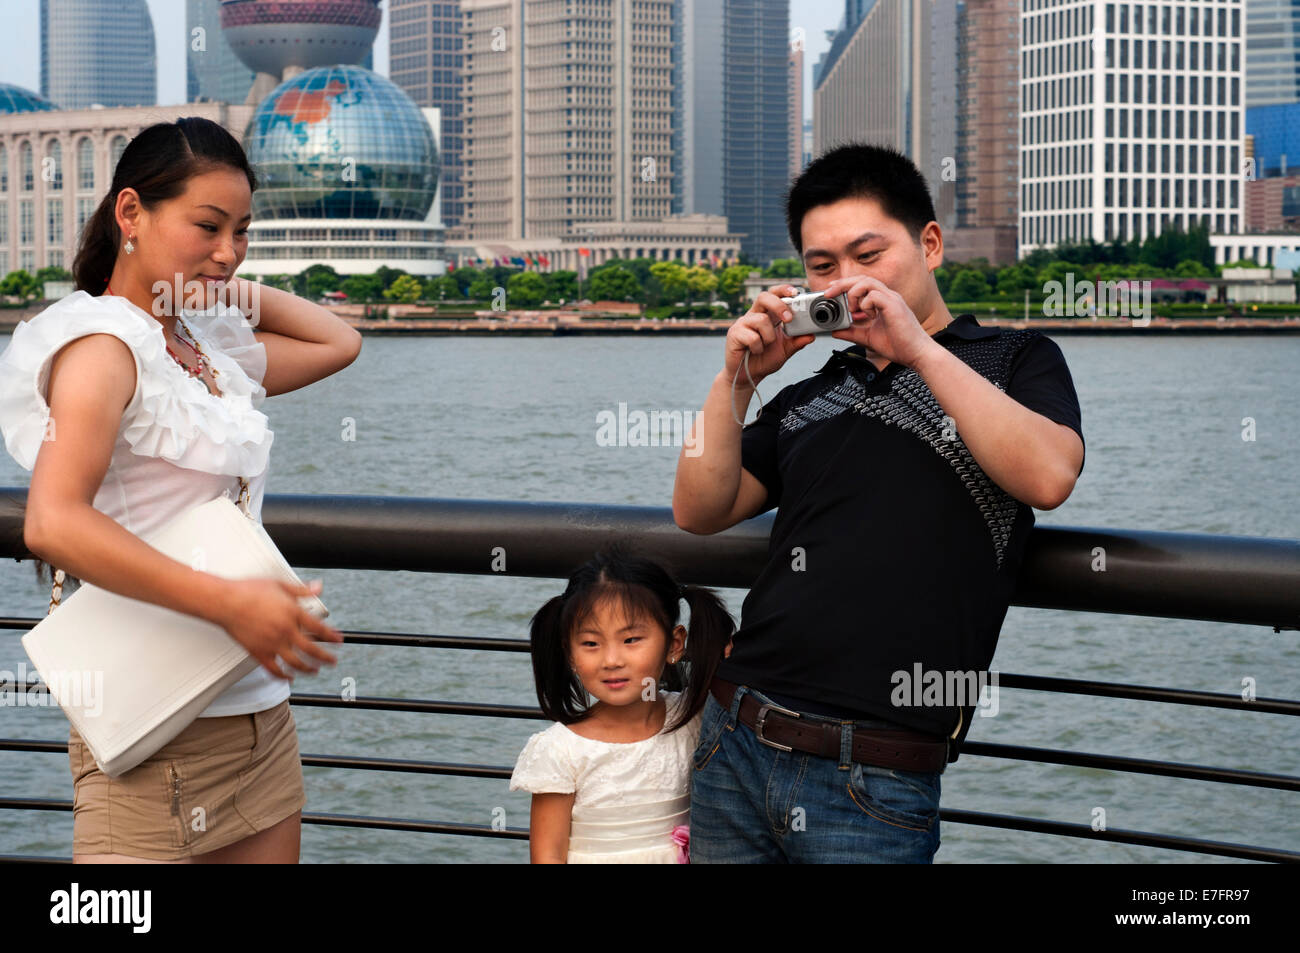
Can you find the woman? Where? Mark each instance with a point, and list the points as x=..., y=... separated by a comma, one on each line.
x=129, y=410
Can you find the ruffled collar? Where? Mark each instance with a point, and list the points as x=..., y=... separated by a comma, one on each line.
x=179, y=419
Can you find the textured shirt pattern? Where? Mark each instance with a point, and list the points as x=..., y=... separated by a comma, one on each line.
x=910, y=406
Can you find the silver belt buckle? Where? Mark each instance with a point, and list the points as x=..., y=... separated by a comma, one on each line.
x=761, y=720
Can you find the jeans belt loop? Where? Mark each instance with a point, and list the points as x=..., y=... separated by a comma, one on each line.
x=736, y=699
x=846, y=745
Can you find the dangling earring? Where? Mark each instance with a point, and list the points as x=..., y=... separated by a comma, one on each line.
x=129, y=247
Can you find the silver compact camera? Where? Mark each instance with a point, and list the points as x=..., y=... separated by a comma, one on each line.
x=814, y=313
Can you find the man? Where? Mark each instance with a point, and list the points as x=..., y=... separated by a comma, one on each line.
x=903, y=473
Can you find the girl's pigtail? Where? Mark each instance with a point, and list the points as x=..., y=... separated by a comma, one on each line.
x=559, y=691
x=710, y=632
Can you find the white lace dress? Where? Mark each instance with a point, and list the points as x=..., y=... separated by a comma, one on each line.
x=630, y=796
x=178, y=444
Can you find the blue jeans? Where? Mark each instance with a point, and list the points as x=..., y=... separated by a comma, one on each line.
x=754, y=804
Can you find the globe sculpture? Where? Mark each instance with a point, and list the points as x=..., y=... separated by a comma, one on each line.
x=341, y=142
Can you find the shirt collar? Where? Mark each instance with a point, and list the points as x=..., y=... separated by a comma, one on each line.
x=964, y=327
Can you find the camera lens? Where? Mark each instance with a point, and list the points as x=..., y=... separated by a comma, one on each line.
x=824, y=313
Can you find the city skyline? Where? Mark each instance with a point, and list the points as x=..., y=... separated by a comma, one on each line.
x=20, y=23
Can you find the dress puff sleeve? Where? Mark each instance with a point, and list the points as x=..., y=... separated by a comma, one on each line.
x=171, y=416
x=545, y=765
x=25, y=365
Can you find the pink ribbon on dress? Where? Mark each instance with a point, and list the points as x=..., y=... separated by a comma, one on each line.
x=682, y=838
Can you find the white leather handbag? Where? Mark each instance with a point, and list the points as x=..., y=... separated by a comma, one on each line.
x=131, y=675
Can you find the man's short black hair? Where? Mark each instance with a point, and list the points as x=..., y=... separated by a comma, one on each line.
x=858, y=170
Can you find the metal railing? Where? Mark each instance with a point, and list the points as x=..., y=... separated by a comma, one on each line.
x=1254, y=581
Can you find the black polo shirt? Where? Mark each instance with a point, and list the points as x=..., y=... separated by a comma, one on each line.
x=891, y=546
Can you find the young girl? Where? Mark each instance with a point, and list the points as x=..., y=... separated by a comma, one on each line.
x=129, y=410
x=611, y=782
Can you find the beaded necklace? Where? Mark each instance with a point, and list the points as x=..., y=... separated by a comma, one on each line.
x=193, y=343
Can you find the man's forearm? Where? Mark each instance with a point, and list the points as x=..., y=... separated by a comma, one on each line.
x=1034, y=459
x=708, y=479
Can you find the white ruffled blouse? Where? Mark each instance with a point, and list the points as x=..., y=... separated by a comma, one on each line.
x=628, y=797
x=178, y=444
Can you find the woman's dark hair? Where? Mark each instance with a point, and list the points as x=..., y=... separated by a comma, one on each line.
x=157, y=163
x=861, y=171
x=644, y=590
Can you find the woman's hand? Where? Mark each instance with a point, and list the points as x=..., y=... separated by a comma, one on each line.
x=264, y=617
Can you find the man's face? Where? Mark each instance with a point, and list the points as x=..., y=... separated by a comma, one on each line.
x=854, y=237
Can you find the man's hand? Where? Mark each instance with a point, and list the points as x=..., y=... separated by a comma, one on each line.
x=759, y=332
x=882, y=321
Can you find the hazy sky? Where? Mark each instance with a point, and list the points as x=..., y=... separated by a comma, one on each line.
x=21, y=45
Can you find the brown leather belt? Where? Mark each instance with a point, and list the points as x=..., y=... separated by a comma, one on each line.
x=787, y=730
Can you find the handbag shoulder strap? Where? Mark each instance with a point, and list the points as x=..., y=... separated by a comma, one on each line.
x=56, y=590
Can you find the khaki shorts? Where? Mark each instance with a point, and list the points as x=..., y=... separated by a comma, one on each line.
x=219, y=781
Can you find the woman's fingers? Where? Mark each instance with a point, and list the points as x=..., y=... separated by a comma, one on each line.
x=310, y=647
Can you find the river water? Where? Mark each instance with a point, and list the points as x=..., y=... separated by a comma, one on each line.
x=515, y=418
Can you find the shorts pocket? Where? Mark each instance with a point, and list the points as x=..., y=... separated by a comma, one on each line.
x=908, y=799
x=713, y=721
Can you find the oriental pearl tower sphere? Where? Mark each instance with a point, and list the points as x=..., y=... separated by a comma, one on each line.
x=280, y=38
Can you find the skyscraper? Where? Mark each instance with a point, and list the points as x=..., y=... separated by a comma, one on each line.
x=987, y=111
x=424, y=59
x=756, y=124
x=1132, y=119
x=698, y=107
x=595, y=90
x=868, y=82
x=890, y=78
x=1272, y=52
x=93, y=52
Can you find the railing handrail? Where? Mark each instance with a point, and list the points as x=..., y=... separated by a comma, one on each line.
x=1234, y=579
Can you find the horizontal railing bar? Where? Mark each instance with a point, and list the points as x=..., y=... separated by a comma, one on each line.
x=407, y=824
x=404, y=639
x=1119, y=836
x=1174, y=696
x=472, y=642
x=426, y=706
x=975, y=818
x=501, y=772
x=1046, y=683
x=457, y=769
x=32, y=859
x=1154, y=693
x=1172, y=769
x=1132, y=572
x=34, y=804
x=1029, y=755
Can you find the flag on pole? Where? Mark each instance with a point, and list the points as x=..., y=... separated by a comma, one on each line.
x=546, y=262
x=584, y=252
